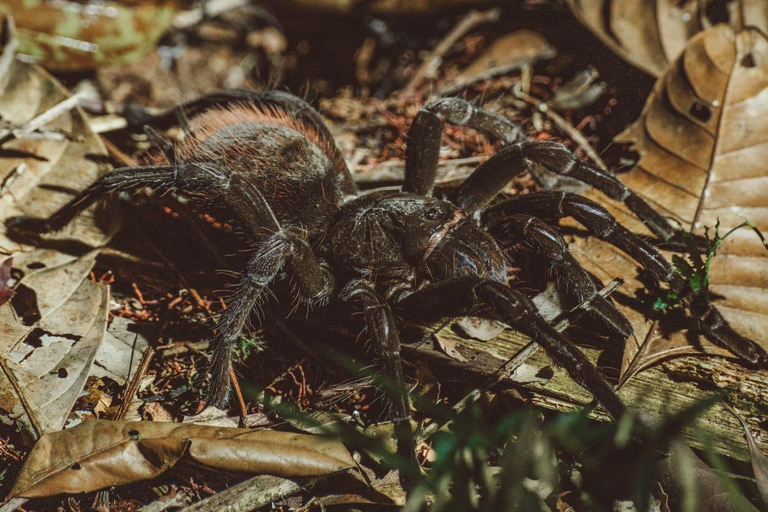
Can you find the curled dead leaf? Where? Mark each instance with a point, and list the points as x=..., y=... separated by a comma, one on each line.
x=98, y=453
x=650, y=34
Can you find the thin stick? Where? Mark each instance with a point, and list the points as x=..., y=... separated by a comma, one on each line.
x=133, y=386
x=238, y=394
x=564, y=125
x=254, y=493
x=432, y=63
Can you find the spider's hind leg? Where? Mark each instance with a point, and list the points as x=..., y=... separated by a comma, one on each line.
x=276, y=249
x=556, y=205
x=571, y=278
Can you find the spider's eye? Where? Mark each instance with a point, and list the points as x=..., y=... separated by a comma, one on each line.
x=432, y=214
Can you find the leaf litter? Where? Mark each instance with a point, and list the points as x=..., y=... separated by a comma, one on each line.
x=618, y=274
x=52, y=327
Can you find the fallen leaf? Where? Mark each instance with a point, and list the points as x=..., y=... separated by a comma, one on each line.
x=58, y=36
x=120, y=351
x=507, y=53
x=448, y=348
x=5, y=276
x=757, y=458
x=478, y=328
x=649, y=34
x=52, y=327
x=156, y=412
x=703, y=148
x=98, y=453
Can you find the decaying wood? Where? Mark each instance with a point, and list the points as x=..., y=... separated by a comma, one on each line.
x=661, y=390
x=254, y=493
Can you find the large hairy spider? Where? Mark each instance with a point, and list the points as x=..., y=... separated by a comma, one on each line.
x=269, y=160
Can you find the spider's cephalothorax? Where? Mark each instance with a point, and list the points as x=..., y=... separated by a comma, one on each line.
x=268, y=160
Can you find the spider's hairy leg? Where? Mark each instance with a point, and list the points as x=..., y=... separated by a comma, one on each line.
x=386, y=338
x=476, y=296
x=278, y=252
x=492, y=176
x=426, y=132
x=263, y=267
x=124, y=179
x=601, y=223
x=572, y=279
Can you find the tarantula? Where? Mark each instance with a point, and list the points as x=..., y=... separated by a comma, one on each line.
x=270, y=161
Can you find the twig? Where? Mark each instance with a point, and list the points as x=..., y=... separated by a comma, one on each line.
x=564, y=125
x=249, y=495
x=133, y=386
x=432, y=63
x=46, y=117
x=238, y=394
x=13, y=504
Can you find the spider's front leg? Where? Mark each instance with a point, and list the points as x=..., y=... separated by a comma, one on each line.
x=426, y=132
x=476, y=296
x=556, y=205
x=384, y=333
x=280, y=251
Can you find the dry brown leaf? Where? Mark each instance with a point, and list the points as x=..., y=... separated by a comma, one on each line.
x=683, y=472
x=52, y=327
x=448, y=348
x=703, y=144
x=98, y=453
x=5, y=276
x=649, y=34
x=507, y=53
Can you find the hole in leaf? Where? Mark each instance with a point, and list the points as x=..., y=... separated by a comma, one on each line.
x=700, y=111
x=546, y=373
x=76, y=466
x=717, y=11
x=748, y=61
x=134, y=434
x=62, y=373
x=36, y=265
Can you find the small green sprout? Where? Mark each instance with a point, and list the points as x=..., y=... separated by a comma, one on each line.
x=696, y=269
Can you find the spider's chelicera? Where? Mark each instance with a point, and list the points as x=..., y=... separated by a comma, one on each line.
x=270, y=161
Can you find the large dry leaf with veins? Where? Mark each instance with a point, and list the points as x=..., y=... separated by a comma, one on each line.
x=649, y=34
x=703, y=145
x=51, y=329
x=99, y=453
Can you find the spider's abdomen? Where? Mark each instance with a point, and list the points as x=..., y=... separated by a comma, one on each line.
x=290, y=164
